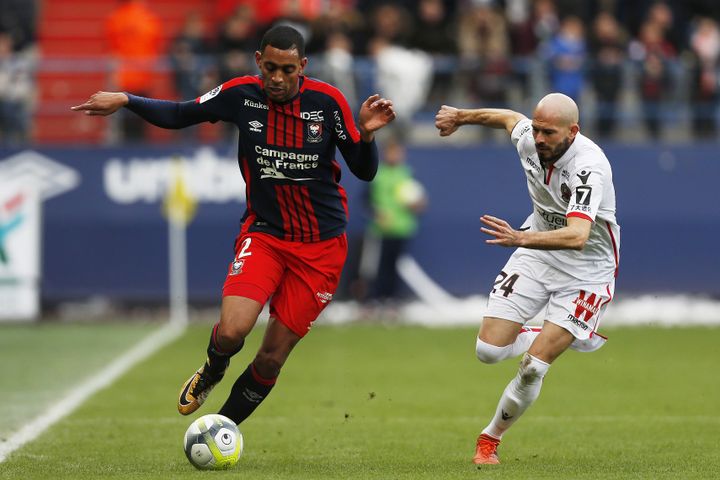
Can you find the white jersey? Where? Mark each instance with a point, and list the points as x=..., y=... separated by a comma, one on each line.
x=578, y=184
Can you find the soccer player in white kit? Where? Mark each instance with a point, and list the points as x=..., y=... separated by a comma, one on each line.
x=566, y=258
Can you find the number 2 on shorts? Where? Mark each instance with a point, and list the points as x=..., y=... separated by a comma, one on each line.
x=243, y=250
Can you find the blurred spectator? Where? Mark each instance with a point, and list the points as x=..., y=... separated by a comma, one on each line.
x=340, y=18
x=566, y=53
x=134, y=35
x=705, y=46
x=653, y=52
x=546, y=21
x=237, y=43
x=189, y=58
x=530, y=23
x=402, y=74
x=18, y=19
x=396, y=200
x=608, y=47
x=390, y=24
x=16, y=91
x=262, y=11
x=484, y=44
x=661, y=14
x=337, y=66
x=434, y=33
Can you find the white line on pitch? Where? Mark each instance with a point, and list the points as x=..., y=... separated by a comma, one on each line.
x=82, y=392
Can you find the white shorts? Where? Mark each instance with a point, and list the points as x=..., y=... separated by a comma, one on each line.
x=527, y=284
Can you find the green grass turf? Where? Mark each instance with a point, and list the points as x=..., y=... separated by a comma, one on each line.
x=39, y=363
x=378, y=402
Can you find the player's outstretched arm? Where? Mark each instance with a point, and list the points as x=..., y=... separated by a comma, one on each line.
x=161, y=113
x=102, y=103
x=375, y=113
x=449, y=119
x=571, y=237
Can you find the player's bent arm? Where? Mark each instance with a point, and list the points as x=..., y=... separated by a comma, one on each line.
x=491, y=117
x=362, y=159
x=449, y=119
x=571, y=237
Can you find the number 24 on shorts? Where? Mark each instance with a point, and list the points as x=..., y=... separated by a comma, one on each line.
x=505, y=283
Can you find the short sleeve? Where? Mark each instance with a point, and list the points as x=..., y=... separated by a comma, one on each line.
x=522, y=138
x=586, y=190
x=221, y=102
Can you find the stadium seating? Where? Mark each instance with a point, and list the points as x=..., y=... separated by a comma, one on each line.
x=75, y=64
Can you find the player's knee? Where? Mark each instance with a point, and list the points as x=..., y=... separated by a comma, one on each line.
x=532, y=369
x=229, y=336
x=488, y=353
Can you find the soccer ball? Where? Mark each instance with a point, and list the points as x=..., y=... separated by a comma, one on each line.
x=409, y=192
x=213, y=442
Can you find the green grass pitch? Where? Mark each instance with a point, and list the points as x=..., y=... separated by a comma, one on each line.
x=382, y=402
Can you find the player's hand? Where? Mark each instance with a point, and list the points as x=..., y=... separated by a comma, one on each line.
x=102, y=103
x=504, y=234
x=446, y=120
x=375, y=113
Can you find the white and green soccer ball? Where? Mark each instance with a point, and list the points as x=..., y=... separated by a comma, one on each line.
x=213, y=442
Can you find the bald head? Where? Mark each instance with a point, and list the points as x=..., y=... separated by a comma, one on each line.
x=557, y=109
x=555, y=125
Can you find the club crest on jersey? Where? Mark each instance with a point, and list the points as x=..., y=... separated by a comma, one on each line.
x=314, y=132
x=565, y=192
x=237, y=266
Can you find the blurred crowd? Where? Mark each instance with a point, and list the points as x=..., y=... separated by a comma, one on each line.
x=658, y=60
x=18, y=61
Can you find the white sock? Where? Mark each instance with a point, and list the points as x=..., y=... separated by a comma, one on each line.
x=523, y=341
x=488, y=353
x=520, y=393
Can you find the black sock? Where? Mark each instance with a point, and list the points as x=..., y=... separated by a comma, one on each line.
x=248, y=391
x=218, y=359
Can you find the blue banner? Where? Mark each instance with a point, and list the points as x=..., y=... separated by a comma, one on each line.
x=105, y=235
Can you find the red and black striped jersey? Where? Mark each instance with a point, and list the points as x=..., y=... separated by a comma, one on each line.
x=286, y=152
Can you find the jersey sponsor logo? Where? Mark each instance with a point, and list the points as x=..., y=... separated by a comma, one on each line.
x=582, y=195
x=313, y=116
x=577, y=322
x=525, y=130
x=272, y=172
x=552, y=220
x=587, y=305
x=212, y=93
x=255, y=126
x=314, y=132
x=530, y=162
x=565, y=174
x=274, y=163
x=583, y=176
x=565, y=192
x=581, y=208
x=324, y=297
x=250, y=103
x=339, y=130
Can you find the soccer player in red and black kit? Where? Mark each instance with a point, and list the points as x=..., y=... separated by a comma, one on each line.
x=292, y=243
